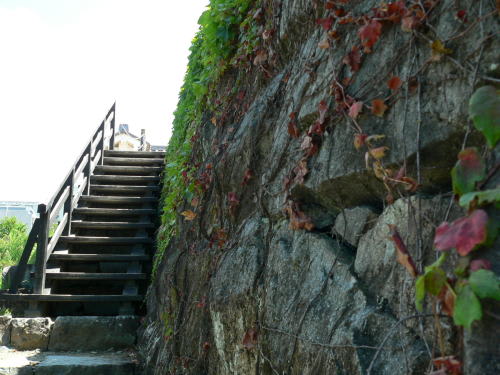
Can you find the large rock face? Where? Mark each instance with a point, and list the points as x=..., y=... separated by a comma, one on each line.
x=240, y=292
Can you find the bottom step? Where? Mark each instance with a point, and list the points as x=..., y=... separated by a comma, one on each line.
x=70, y=298
x=46, y=363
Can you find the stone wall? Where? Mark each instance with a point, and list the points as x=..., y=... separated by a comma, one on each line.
x=241, y=292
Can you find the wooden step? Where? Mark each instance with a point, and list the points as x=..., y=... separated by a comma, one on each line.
x=54, y=275
x=117, y=199
x=114, y=211
x=123, y=188
x=124, y=178
x=63, y=255
x=119, y=169
x=134, y=154
x=133, y=161
x=109, y=225
x=104, y=240
x=71, y=297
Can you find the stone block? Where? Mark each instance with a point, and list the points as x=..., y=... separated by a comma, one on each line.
x=5, y=330
x=85, y=364
x=79, y=333
x=30, y=333
x=351, y=224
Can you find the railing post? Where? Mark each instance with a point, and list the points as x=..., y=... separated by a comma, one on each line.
x=41, y=250
x=88, y=167
x=68, y=205
x=101, y=143
x=112, y=138
x=142, y=147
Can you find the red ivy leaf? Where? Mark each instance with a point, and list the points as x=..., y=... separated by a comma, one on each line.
x=359, y=140
x=293, y=130
x=378, y=107
x=469, y=170
x=298, y=219
x=233, y=202
x=326, y=23
x=233, y=198
x=247, y=176
x=330, y=4
x=353, y=59
x=408, y=23
x=316, y=128
x=462, y=15
x=464, y=234
x=410, y=184
x=260, y=57
x=396, y=10
x=447, y=298
x=300, y=171
x=369, y=34
x=324, y=44
x=354, y=109
x=480, y=264
x=402, y=255
x=394, y=83
x=450, y=364
x=202, y=303
x=378, y=152
x=250, y=339
x=322, y=108
x=310, y=145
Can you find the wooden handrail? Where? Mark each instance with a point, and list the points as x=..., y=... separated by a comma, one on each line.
x=65, y=198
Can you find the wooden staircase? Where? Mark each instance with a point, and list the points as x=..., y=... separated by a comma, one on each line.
x=98, y=260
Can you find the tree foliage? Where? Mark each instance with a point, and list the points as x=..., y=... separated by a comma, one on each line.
x=13, y=236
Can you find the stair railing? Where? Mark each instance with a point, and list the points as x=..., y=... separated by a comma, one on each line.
x=57, y=213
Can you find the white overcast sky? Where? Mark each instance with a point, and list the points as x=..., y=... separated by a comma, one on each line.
x=62, y=65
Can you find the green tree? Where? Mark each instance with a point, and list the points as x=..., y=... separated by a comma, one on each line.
x=13, y=236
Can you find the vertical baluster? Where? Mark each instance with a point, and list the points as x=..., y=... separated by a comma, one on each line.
x=143, y=140
x=101, y=143
x=41, y=250
x=86, y=170
x=68, y=205
x=112, y=140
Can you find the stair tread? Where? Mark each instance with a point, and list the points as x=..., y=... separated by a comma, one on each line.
x=110, y=160
x=64, y=255
x=127, y=188
x=114, y=211
x=138, y=154
x=55, y=274
x=72, y=297
x=121, y=177
x=110, y=224
x=141, y=170
x=116, y=198
x=105, y=239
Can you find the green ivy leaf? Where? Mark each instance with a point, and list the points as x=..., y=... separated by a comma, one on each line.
x=431, y=281
x=484, y=109
x=434, y=281
x=483, y=197
x=470, y=168
x=467, y=307
x=420, y=292
x=485, y=284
